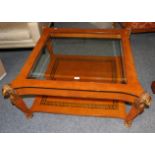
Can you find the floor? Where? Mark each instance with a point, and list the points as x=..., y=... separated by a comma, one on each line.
x=12, y=120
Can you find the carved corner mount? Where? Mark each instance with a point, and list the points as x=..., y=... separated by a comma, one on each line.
x=143, y=101
x=7, y=91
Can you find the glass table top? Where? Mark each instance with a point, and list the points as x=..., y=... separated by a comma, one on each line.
x=80, y=59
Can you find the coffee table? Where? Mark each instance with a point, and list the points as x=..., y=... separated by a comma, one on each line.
x=87, y=72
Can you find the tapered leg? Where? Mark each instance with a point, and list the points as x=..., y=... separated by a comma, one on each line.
x=137, y=108
x=16, y=100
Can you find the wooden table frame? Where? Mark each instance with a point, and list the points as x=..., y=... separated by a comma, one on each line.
x=131, y=92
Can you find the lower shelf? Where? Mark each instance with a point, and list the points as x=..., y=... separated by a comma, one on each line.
x=79, y=107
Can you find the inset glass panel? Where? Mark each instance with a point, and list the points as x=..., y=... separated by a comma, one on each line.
x=83, y=46
x=80, y=59
x=41, y=65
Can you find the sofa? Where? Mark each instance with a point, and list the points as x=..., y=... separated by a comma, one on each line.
x=20, y=34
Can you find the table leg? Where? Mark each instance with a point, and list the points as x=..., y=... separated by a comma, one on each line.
x=137, y=108
x=16, y=100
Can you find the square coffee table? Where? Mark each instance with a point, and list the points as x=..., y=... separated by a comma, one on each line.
x=87, y=72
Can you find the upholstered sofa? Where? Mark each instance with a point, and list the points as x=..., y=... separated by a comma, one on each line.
x=20, y=34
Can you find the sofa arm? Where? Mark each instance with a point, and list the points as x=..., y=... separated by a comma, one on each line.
x=36, y=29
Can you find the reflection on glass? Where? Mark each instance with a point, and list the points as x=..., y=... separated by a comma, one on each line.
x=80, y=59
